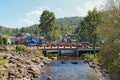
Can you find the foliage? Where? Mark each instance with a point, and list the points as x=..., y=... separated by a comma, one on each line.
x=47, y=22
x=2, y=63
x=49, y=55
x=1, y=41
x=63, y=26
x=39, y=53
x=91, y=57
x=21, y=48
x=5, y=39
x=110, y=58
x=0, y=29
x=110, y=31
x=1, y=57
x=89, y=25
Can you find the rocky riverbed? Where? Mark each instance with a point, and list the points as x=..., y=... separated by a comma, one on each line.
x=30, y=66
x=22, y=65
x=70, y=70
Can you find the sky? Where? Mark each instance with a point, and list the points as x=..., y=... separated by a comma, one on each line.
x=22, y=13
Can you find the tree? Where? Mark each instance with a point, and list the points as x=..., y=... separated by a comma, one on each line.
x=0, y=29
x=110, y=31
x=5, y=37
x=1, y=41
x=47, y=22
x=89, y=25
x=9, y=31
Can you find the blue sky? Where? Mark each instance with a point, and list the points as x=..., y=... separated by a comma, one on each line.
x=21, y=13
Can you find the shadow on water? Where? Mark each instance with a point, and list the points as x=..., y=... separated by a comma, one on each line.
x=68, y=71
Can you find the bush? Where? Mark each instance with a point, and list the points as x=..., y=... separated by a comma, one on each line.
x=1, y=41
x=39, y=53
x=21, y=48
x=110, y=58
x=1, y=57
x=49, y=55
x=92, y=57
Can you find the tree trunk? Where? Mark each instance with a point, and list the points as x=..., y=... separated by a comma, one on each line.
x=94, y=45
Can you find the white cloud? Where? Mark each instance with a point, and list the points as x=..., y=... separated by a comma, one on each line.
x=81, y=11
x=34, y=13
x=89, y=5
x=32, y=17
x=29, y=22
x=59, y=10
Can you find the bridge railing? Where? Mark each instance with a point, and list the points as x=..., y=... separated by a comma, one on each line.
x=62, y=45
x=58, y=45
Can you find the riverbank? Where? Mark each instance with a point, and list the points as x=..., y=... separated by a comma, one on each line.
x=29, y=65
x=21, y=65
x=94, y=63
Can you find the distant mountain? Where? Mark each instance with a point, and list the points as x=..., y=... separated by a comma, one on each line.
x=3, y=29
x=64, y=25
x=72, y=22
x=69, y=20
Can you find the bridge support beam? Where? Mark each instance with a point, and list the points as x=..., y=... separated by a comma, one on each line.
x=59, y=52
x=77, y=53
x=45, y=53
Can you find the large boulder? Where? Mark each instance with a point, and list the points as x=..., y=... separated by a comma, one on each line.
x=10, y=65
x=28, y=62
x=20, y=65
x=34, y=70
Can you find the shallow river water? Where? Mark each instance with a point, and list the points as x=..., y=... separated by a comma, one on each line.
x=68, y=71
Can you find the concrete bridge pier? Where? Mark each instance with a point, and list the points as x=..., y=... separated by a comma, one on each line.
x=59, y=52
x=45, y=53
x=77, y=53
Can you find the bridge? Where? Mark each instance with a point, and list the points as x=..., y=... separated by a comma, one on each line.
x=57, y=48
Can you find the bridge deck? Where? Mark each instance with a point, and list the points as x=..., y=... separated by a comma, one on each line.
x=44, y=48
x=68, y=48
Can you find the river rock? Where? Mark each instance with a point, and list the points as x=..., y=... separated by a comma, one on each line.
x=12, y=61
x=45, y=61
x=7, y=56
x=74, y=62
x=35, y=61
x=49, y=78
x=34, y=70
x=23, y=66
x=28, y=62
x=86, y=61
x=41, y=64
x=10, y=65
x=20, y=65
x=11, y=73
x=54, y=58
x=62, y=62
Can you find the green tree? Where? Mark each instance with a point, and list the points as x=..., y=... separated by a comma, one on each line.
x=0, y=29
x=5, y=37
x=1, y=41
x=110, y=31
x=89, y=25
x=47, y=22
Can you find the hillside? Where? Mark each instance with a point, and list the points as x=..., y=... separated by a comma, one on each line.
x=64, y=26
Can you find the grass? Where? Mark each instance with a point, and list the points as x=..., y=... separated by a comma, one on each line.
x=39, y=53
x=2, y=60
x=21, y=48
x=91, y=56
x=1, y=57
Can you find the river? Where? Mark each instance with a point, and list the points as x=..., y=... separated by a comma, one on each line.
x=69, y=71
